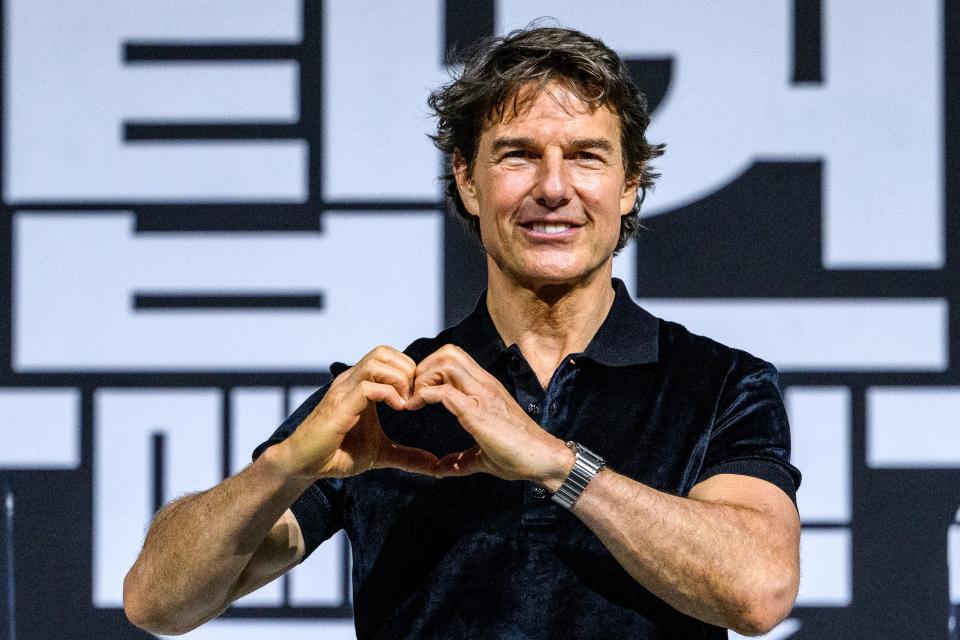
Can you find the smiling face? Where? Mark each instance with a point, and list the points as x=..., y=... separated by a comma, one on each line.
x=549, y=188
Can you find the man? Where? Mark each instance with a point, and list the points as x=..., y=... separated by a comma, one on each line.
x=607, y=474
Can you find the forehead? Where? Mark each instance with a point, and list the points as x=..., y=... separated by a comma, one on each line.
x=553, y=109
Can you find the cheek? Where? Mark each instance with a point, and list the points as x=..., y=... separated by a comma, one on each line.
x=602, y=199
x=596, y=186
x=506, y=190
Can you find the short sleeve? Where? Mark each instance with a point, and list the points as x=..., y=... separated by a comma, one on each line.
x=319, y=509
x=751, y=435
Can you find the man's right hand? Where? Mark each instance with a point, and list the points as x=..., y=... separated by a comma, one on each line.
x=342, y=435
x=207, y=549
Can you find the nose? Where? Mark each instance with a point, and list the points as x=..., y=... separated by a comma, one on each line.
x=553, y=188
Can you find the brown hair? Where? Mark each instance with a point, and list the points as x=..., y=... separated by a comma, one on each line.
x=496, y=70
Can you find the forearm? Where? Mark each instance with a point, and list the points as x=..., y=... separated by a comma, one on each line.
x=197, y=548
x=725, y=564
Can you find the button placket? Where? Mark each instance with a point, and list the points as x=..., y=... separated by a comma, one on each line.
x=538, y=513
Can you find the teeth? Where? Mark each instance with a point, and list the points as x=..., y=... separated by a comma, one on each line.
x=550, y=228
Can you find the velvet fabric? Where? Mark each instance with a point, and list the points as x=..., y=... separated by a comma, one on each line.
x=480, y=557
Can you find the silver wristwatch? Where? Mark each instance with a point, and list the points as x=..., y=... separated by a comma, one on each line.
x=586, y=465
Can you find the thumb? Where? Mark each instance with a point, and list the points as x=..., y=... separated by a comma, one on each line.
x=410, y=459
x=461, y=463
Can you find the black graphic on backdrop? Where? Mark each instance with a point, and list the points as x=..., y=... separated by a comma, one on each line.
x=758, y=237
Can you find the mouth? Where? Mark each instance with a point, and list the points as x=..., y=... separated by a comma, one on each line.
x=548, y=227
x=550, y=230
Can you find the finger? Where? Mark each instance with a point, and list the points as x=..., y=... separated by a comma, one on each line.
x=366, y=391
x=389, y=355
x=411, y=459
x=456, y=402
x=379, y=371
x=461, y=463
x=447, y=370
x=455, y=354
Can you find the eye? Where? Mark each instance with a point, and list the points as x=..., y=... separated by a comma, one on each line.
x=585, y=155
x=517, y=153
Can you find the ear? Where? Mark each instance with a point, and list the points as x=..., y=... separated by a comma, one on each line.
x=629, y=194
x=465, y=184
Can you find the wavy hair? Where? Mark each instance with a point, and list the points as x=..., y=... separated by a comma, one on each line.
x=489, y=85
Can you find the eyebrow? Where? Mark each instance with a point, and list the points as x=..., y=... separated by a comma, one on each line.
x=503, y=143
x=579, y=144
x=592, y=143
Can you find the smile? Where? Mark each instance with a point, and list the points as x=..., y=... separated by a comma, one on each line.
x=550, y=232
x=540, y=227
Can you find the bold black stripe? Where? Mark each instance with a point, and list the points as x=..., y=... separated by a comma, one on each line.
x=192, y=377
x=652, y=76
x=288, y=612
x=807, y=41
x=465, y=22
x=951, y=139
x=200, y=301
x=9, y=600
x=159, y=491
x=361, y=206
x=285, y=590
x=6, y=222
x=224, y=217
x=347, y=564
x=464, y=270
x=951, y=164
x=226, y=433
x=185, y=52
x=139, y=131
x=311, y=99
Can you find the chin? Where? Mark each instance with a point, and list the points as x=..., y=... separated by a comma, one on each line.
x=554, y=275
x=552, y=269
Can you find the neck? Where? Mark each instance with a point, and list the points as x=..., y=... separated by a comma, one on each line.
x=548, y=321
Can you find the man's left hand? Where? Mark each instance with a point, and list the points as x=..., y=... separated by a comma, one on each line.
x=510, y=445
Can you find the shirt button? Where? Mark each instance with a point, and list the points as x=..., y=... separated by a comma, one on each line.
x=533, y=409
x=539, y=493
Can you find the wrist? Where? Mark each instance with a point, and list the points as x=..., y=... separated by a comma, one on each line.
x=587, y=465
x=281, y=460
x=563, y=459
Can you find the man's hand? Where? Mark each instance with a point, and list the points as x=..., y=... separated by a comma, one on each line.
x=342, y=436
x=510, y=445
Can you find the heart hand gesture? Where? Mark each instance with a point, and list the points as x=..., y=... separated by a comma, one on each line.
x=510, y=445
x=342, y=436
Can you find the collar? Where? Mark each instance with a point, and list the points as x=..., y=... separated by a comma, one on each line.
x=629, y=334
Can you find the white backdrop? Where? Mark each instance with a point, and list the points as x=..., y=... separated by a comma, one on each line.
x=206, y=203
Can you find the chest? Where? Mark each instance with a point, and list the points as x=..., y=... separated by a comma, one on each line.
x=648, y=428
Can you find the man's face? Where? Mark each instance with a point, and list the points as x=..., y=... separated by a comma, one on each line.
x=549, y=188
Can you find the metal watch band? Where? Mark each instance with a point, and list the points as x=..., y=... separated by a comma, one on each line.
x=586, y=465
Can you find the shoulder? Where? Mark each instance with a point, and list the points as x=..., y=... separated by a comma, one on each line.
x=683, y=350
x=678, y=342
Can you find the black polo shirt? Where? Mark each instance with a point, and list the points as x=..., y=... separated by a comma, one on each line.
x=481, y=557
